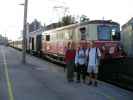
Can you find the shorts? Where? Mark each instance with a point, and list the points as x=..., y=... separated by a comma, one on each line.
x=92, y=69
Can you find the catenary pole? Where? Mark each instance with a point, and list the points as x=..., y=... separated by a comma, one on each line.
x=24, y=32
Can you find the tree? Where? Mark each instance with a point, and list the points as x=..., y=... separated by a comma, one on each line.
x=67, y=20
x=35, y=25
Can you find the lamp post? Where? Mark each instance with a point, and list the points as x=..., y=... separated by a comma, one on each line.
x=24, y=32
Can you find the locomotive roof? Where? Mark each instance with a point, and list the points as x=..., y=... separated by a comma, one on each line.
x=84, y=23
x=103, y=22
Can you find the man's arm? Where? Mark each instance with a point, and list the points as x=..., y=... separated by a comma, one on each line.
x=99, y=52
x=76, y=58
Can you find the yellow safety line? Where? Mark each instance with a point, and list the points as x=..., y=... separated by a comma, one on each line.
x=10, y=90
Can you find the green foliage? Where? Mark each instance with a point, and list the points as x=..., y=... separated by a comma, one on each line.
x=67, y=20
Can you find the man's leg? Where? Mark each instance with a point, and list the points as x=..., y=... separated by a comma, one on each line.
x=89, y=70
x=68, y=71
x=78, y=73
x=71, y=71
x=84, y=73
x=95, y=80
x=95, y=75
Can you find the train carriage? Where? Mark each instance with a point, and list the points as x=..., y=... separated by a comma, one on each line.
x=34, y=42
x=16, y=44
x=105, y=33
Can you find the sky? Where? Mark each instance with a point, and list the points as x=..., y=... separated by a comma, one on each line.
x=11, y=17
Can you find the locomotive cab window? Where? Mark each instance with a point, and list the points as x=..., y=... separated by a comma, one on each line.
x=83, y=33
x=115, y=34
x=104, y=32
x=47, y=37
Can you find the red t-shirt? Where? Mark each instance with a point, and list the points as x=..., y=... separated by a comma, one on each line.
x=70, y=55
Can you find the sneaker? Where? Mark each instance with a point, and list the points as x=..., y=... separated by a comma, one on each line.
x=95, y=84
x=89, y=83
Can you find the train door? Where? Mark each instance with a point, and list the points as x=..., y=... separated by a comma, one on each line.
x=38, y=42
x=30, y=43
x=32, y=40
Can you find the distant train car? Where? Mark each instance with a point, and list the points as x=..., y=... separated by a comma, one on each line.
x=105, y=33
x=34, y=41
x=16, y=44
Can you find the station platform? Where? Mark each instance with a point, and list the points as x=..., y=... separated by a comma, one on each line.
x=41, y=80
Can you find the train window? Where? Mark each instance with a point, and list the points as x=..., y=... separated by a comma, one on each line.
x=66, y=36
x=83, y=33
x=115, y=34
x=60, y=36
x=104, y=33
x=43, y=37
x=54, y=37
x=47, y=37
x=63, y=35
x=70, y=35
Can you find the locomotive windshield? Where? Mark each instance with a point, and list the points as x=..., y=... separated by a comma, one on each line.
x=108, y=32
x=104, y=33
x=115, y=33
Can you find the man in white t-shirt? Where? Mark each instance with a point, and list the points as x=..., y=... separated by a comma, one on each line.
x=80, y=63
x=93, y=55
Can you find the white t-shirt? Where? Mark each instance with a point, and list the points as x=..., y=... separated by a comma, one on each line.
x=80, y=57
x=93, y=60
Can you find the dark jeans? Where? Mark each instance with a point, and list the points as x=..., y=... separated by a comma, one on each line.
x=70, y=70
x=81, y=69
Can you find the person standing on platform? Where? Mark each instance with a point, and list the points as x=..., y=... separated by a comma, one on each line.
x=93, y=55
x=69, y=60
x=80, y=60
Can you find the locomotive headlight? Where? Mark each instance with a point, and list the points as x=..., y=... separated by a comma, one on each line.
x=111, y=50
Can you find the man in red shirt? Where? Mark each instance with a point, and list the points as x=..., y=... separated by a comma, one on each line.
x=69, y=60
